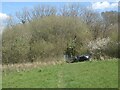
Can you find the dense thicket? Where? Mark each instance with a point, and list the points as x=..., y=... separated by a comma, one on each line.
x=45, y=33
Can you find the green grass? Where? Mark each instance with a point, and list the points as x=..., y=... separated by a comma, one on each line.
x=95, y=74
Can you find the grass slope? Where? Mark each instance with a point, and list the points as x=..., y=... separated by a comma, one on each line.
x=100, y=74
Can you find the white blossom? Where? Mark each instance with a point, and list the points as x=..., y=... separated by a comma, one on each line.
x=98, y=45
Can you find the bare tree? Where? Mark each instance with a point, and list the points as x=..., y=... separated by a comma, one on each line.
x=93, y=21
x=10, y=22
x=41, y=11
x=70, y=10
x=24, y=16
x=109, y=19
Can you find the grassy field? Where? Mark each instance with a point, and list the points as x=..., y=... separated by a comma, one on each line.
x=94, y=74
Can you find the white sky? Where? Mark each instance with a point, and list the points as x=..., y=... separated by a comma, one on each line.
x=104, y=5
x=3, y=16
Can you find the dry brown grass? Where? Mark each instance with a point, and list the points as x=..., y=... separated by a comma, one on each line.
x=29, y=65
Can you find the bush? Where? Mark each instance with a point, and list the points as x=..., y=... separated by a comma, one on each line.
x=42, y=38
x=98, y=46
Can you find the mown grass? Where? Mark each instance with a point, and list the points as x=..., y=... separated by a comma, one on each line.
x=94, y=74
